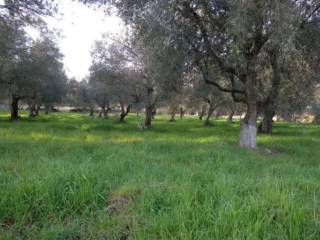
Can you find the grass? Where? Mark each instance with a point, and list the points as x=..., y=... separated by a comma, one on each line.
x=67, y=176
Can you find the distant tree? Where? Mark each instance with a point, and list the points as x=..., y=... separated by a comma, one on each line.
x=209, y=97
x=113, y=73
x=79, y=95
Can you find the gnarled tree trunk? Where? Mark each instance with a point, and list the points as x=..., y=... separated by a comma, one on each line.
x=124, y=112
x=266, y=124
x=210, y=112
x=248, y=128
x=202, y=112
x=148, y=117
x=14, y=107
x=270, y=103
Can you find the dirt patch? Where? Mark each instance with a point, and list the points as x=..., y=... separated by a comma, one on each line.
x=269, y=151
x=121, y=198
x=117, y=204
x=7, y=223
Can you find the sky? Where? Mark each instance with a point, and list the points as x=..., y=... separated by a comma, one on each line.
x=80, y=26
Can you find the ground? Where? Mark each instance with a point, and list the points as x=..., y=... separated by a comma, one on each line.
x=68, y=176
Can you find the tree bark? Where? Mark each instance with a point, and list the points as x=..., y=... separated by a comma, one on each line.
x=266, y=124
x=248, y=128
x=150, y=108
x=124, y=113
x=202, y=112
x=210, y=112
x=270, y=103
x=14, y=108
x=182, y=112
x=148, y=117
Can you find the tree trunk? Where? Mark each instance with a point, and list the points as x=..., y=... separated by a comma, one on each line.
x=148, y=117
x=173, y=111
x=37, y=109
x=124, y=113
x=270, y=104
x=230, y=117
x=150, y=108
x=103, y=113
x=266, y=124
x=202, y=112
x=34, y=110
x=172, y=117
x=248, y=128
x=91, y=112
x=47, y=109
x=210, y=112
x=182, y=111
x=154, y=113
x=14, y=108
x=317, y=119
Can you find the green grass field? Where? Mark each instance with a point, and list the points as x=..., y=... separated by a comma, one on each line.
x=67, y=176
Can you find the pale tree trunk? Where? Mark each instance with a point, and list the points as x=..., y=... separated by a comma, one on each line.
x=14, y=107
x=248, y=128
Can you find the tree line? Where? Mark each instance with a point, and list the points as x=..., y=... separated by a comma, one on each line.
x=258, y=57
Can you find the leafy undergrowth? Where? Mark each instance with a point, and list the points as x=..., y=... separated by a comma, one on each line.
x=67, y=176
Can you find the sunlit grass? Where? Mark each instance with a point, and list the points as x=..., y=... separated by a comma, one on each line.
x=69, y=176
